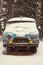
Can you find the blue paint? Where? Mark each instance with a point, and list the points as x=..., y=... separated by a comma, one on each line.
x=5, y=35
x=29, y=36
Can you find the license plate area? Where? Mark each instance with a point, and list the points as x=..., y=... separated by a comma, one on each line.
x=20, y=40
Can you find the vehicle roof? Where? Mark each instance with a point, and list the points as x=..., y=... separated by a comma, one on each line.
x=21, y=19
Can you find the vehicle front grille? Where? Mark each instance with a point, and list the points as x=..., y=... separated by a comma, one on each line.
x=20, y=40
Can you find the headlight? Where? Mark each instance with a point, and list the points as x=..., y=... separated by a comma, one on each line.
x=32, y=37
x=10, y=41
x=9, y=36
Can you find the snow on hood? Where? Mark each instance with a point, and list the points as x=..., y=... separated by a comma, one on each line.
x=22, y=28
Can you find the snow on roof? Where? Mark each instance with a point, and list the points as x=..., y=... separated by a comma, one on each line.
x=21, y=19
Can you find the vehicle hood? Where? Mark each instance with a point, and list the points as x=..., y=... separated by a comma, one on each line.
x=21, y=28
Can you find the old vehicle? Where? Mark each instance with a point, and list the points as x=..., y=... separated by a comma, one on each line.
x=21, y=33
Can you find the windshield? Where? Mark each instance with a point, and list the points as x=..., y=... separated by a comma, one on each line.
x=9, y=22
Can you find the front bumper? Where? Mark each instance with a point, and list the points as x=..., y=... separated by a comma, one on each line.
x=21, y=45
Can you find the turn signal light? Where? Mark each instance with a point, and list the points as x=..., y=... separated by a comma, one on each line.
x=10, y=41
x=31, y=42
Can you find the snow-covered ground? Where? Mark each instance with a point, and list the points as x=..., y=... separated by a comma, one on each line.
x=35, y=59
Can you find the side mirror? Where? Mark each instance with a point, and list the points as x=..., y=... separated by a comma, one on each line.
x=39, y=27
x=2, y=28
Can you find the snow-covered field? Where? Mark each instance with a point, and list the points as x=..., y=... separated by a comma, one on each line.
x=35, y=59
